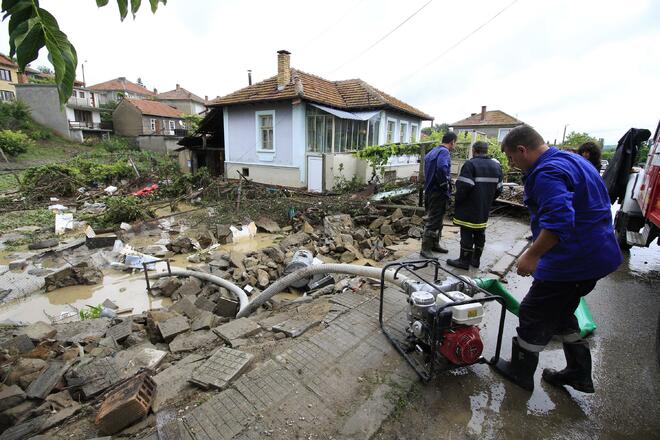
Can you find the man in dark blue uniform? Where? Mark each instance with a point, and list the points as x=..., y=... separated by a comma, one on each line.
x=479, y=183
x=437, y=190
x=574, y=246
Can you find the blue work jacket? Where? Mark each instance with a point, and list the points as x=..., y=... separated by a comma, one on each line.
x=566, y=195
x=437, y=171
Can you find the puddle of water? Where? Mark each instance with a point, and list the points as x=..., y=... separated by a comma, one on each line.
x=260, y=241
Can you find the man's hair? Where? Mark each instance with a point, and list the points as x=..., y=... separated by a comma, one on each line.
x=594, y=153
x=523, y=135
x=449, y=137
x=480, y=147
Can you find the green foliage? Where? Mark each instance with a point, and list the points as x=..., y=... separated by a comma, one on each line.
x=184, y=183
x=342, y=184
x=14, y=143
x=40, y=134
x=92, y=312
x=125, y=209
x=575, y=139
x=37, y=217
x=32, y=27
x=378, y=155
x=103, y=173
x=115, y=143
x=45, y=69
x=107, y=109
x=495, y=151
x=192, y=121
x=43, y=181
x=39, y=80
x=14, y=115
x=608, y=154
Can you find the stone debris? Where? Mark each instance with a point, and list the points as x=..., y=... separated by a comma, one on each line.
x=172, y=382
x=126, y=404
x=80, y=274
x=267, y=225
x=237, y=329
x=172, y=327
x=221, y=368
x=121, y=331
x=294, y=327
x=204, y=321
x=45, y=383
x=11, y=396
x=82, y=330
x=192, y=341
x=18, y=344
x=44, y=244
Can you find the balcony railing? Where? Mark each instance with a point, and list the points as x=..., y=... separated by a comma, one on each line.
x=83, y=102
x=84, y=125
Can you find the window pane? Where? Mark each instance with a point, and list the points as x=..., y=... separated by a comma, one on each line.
x=328, y=134
x=319, y=133
x=311, y=138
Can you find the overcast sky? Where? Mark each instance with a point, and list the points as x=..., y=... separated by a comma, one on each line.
x=594, y=65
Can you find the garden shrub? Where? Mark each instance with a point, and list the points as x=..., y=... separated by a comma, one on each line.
x=53, y=179
x=125, y=209
x=14, y=143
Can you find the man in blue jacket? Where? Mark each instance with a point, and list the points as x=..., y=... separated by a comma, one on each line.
x=437, y=190
x=574, y=246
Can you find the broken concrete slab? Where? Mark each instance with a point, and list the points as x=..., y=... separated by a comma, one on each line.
x=191, y=286
x=25, y=430
x=121, y=331
x=204, y=321
x=17, y=265
x=100, y=241
x=18, y=344
x=237, y=329
x=172, y=327
x=204, y=304
x=43, y=244
x=294, y=327
x=192, y=341
x=61, y=415
x=11, y=396
x=502, y=266
x=79, y=331
x=173, y=382
x=186, y=306
x=166, y=286
x=295, y=240
x=267, y=225
x=47, y=380
x=226, y=307
x=221, y=368
x=109, y=304
x=38, y=331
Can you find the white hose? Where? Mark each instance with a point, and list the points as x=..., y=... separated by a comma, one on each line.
x=233, y=288
x=348, y=269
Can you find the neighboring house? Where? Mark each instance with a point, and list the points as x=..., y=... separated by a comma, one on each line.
x=296, y=129
x=8, y=78
x=154, y=125
x=79, y=119
x=186, y=101
x=119, y=88
x=493, y=123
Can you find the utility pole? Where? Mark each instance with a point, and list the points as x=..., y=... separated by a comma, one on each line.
x=83, y=72
x=563, y=138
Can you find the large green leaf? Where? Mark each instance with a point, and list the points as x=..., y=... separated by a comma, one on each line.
x=32, y=27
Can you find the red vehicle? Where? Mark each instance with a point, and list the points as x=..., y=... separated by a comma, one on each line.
x=637, y=223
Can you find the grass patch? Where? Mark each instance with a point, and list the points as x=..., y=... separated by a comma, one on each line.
x=36, y=217
x=402, y=398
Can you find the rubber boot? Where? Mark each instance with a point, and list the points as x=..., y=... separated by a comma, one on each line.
x=428, y=240
x=437, y=247
x=520, y=370
x=578, y=368
x=463, y=261
x=475, y=261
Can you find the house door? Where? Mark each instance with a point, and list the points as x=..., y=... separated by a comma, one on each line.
x=315, y=173
x=158, y=126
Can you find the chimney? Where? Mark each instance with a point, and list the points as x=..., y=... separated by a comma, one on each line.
x=155, y=91
x=178, y=86
x=122, y=78
x=250, y=76
x=283, y=69
x=483, y=112
x=206, y=98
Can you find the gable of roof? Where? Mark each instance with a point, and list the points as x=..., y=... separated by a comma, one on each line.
x=349, y=94
x=491, y=117
x=180, y=94
x=6, y=61
x=122, y=85
x=154, y=108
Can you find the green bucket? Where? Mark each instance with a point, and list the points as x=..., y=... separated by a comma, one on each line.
x=582, y=313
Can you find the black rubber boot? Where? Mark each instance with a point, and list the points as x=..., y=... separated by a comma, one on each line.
x=437, y=247
x=578, y=368
x=463, y=262
x=428, y=240
x=475, y=261
x=520, y=370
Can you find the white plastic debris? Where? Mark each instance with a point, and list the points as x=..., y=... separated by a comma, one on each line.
x=63, y=222
x=247, y=232
x=54, y=199
x=57, y=207
x=89, y=232
x=110, y=190
x=125, y=227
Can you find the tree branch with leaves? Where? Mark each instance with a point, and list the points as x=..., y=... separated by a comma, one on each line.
x=31, y=28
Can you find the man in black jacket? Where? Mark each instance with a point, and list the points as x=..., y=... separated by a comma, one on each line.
x=478, y=185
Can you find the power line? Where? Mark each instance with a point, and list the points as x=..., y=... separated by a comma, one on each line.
x=458, y=43
x=383, y=37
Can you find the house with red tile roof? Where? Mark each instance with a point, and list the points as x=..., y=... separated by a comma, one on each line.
x=492, y=123
x=115, y=89
x=184, y=100
x=8, y=78
x=298, y=129
x=154, y=125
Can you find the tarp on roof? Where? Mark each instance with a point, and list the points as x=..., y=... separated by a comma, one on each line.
x=358, y=116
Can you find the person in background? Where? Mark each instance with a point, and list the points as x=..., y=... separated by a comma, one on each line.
x=591, y=152
x=437, y=190
x=574, y=246
x=477, y=186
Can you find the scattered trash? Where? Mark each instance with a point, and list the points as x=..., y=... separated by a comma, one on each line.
x=125, y=227
x=247, y=232
x=63, y=222
x=56, y=208
x=110, y=190
x=54, y=199
x=146, y=190
x=394, y=194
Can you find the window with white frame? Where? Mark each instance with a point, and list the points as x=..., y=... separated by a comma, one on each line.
x=391, y=127
x=6, y=95
x=5, y=75
x=403, y=132
x=153, y=125
x=413, y=132
x=502, y=133
x=265, y=130
x=172, y=125
x=319, y=130
x=374, y=130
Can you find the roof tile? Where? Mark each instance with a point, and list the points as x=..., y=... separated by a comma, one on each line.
x=492, y=117
x=180, y=94
x=122, y=84
x=154, y=108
